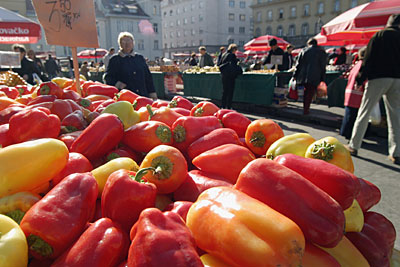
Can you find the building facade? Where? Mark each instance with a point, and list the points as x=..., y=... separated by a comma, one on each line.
x=188, y=24
x=296, y=20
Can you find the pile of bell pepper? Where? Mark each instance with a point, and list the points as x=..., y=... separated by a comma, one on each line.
x=102, y=177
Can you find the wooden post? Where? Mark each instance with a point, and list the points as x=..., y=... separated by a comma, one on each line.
x=76, y=69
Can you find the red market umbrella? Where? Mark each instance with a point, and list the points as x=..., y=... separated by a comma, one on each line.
x=15, y=28
x=96, y=53
x=261, y=43
x=326, y=41
x=240, y=54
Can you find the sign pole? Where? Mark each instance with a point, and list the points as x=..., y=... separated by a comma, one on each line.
x=76, y=69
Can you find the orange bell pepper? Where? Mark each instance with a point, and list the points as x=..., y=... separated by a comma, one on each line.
x=163, y=114
x=243, y=231
x=316, y=257
x=5, y=102
x=261, y=134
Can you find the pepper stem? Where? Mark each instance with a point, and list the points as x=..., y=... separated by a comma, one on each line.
x=45, y=90
x=16, y=215
x=258, y=139
x=323, y=151
x=151, y=113
x=198, y=112
x=40, y=246
x=134, y=104
x=172, y=104
x=142, y=172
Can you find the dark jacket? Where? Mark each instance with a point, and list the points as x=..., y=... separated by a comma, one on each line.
x=206, y=60
x=311, y=66
x=27, y=68
x=287, y=61
x=228, y=58
x=219, y=58
x=382, y=56
x=193, y=61
x=340, y=59
x=133, y=71
x=51, y=66
x=277, y=52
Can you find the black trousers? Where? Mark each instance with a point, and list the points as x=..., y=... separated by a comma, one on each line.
x=228, y=86
x=309, y=92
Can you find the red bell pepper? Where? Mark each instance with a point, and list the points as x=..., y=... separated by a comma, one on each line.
x=8, y=112
x=212, y=140
x=383, y=226
x=74, y=122
x=5, y=137
x=34, y=123
x=102, y=135
x=10, y=92
x=142, y=101
x=94, y=104
x=69, y=138
x=232, y=157
x=180, y=102
x=77, y=163
x=162, y=239
x=103, y=244
x=160, y=103
x=182, y=111
x=125, y=196
x=69, y=94
x=334, y=181
x=60, y=217
x=236, y=121
x=41, y=99
x=91, y=116
x=124, y=151
x=186, y=130
x=319, y=216
x=84, y=86
x=146, y=135
x=220, y=113
x=126, y=95
x=22, y=89
x=64, y=107
x=180, y=207
x=196, y=182
x=204, y=108
x=48, y=105
x=101, y=89
x=103, y=105
x=163, y=114
x=50, y=88
x=369, y=195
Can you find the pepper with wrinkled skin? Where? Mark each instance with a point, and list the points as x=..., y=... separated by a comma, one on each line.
x=162, y=239
x=50, y=88
x=15, y=206
x=60, y=217
x=180, y=102
x=64, y=107
x=294, y=144
x=125, y=112
x=180, y=207
x=332, y=151
x=103, y=244
x=318, y=215
x=369, y=195
x=103, y=104
x=243, y=231
x=73, y=122
x=77, y=163
x=13, y=246
x=204, y=108
x=220, y=113
x=261, y=134
x=8, y=112
x=163, y=114
x=69, y=138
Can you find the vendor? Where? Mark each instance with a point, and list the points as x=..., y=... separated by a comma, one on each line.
x=129, y=70
x=341, y=58
x=275, y=51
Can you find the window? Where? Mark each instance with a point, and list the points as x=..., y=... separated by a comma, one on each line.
x=165, y=35
x=193, y=43
x=193, y=31
x=281, y=13
x=140, y=44
x=178, y=33
x=155, y=27
x=269, y=15
x=307, y=10
x=130, y=26
x=304, y=29
x=336, y=8
x=242, y=4
x=231, y=3
x=165, y=25
x=171, y=12
x=292, y=30
x=242, y=29
x=178, y=22
x=293, y=12
x=178, y=11
x=200, y=42
x=171, y=24
x=201, y=4
x=154, y=10
x=192, y=7
x=165, y=13
x=192, y=19
x=200, y=17
x=279, y=31
x=201, y=31
x=155, y=44
x=318, y=25
x=231, y=16
x=241, y=43
x=171, y=45
x=231, y=29
x=119, y=25
x=353, y=3
x=258, y=17
x=184, y=32
x=231, y=41
x=185, y=21
x=242, y=17
x=321, y=8
x=268, y=31
x=171, y=34
x=258, y=32
x=259, y=1
x=184, y=9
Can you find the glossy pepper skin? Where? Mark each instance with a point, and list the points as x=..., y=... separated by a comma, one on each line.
x=11, y=92
x=15, y=206
x=180, y=207
x=332, y=151
x=253, y=234
x=50, y=88
x=212, y=261
x=64, y=107
x=186, y=130
x=261, y=134
x=232, y=157
x=339, y=184
x=212, y=140
x=316, y=257
x=73, y=122
x=146, y=135
x=103, y=244
x=5, y=102
x=69, y=138
x=27, y=165
x=7, y=113
x=102, y=105
x=160, y=103
x=42, y=99
x=296, y=144
x=142, y=101
x=125, y=196
x=163, y=114
x=383, y=226
x=126, y=95
x=5, y=136
x=13, y=246
x=237, y=122
x=125, y=112
x=204, y=108
x=318, y=215
x=103, y=134
x=77, y=163
x=180, y=102
x=369, y=195
x=101, y=89
x=60, y=217
x=162, y=239
x=34, y=123
x=167, y=168
x=220, y=113
x=182, y=111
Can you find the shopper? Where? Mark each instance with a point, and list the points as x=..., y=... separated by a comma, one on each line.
x=128, y=70
x=287, y=62
x=221, y=52
x=193, y=61
x=85, y=70
x=310, y=71
x=51, y=66
x=275, y=51
x=205, y=58
x=107, y=57
x=37, y=63
x=381, y=67
x=27, y=65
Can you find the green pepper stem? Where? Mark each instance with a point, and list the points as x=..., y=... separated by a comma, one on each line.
x=40, y=246
x=134, y=104
x=323, y=151
x=16, y=215
x=45, y=90
x=142, y=172
x=151, y=113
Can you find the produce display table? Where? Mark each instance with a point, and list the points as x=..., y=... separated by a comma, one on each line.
x=96, y=76
x=336, y=92
x=255, y=88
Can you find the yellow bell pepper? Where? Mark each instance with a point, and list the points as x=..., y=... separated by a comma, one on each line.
x=27, y=165
x=60, y=81
x=101, y=173
x=15, y=206
x=125, y=112
x=212, y=261
x=294, y=144
x=13, y=245
x=332, y=151
x=354, y=218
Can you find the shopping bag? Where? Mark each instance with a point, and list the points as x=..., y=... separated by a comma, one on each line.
x=375, y=116
x=293, y=90
x=322, y=90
